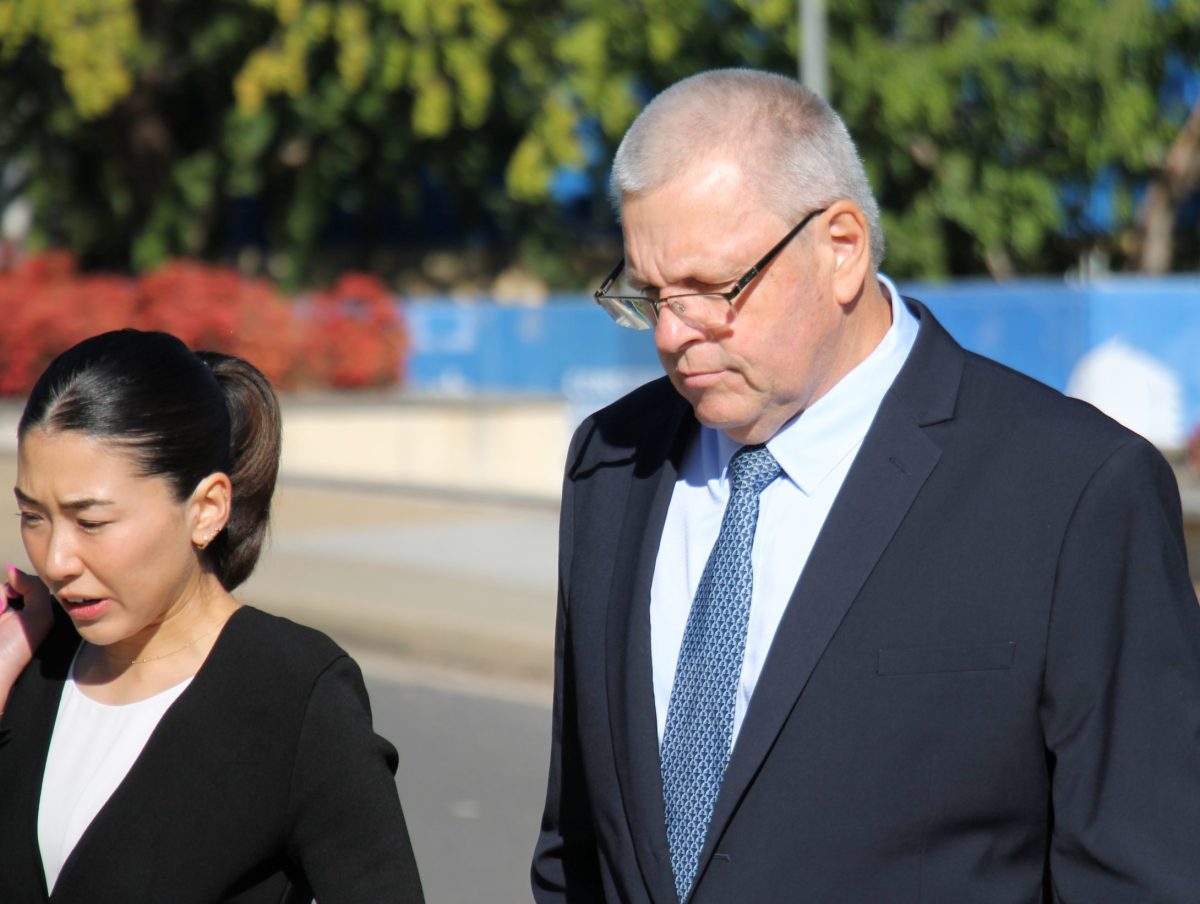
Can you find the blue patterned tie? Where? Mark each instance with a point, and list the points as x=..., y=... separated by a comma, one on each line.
x=699, y=731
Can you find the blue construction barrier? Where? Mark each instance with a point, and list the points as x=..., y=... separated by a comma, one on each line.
x=482, y=346
x=569, y=346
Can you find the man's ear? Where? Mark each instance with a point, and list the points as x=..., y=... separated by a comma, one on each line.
x=851, y=239
x=209, y=508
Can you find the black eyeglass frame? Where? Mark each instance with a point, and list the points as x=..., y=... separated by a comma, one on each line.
x=729, y=295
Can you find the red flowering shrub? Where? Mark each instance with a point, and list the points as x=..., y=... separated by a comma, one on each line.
x=351, y=336
x=1193, y=449
x=49, y=266
x=45, y=307
x=218, y=309
x=356, y=337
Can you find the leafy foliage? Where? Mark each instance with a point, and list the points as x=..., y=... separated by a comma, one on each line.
x=988, y=125
x=1001, y=135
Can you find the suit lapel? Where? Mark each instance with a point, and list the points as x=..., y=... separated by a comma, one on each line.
x=630, y=680
x=141, y=795
x=35, y=718
x=895, y=460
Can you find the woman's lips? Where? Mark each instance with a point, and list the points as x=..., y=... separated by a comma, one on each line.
x=85, y=609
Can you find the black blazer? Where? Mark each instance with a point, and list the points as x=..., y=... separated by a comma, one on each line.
x=263, y=782
x=985, y=687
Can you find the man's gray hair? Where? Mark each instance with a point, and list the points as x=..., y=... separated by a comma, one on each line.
x=796, y=149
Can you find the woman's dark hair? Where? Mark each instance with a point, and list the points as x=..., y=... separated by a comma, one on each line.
x=183, y=415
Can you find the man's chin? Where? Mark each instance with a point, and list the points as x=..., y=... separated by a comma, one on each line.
x=739, y=424
x=717, y=415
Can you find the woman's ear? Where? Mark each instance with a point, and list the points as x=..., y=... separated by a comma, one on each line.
x=209, y=508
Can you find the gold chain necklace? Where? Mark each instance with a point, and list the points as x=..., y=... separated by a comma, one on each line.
x=192, y=642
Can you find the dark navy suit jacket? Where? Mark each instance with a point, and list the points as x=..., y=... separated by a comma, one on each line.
x=985, y=687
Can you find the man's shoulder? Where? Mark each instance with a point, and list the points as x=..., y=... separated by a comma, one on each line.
x=1014, y=400
x=990, y=415
x=648, y=400
x=994, y=397
x=1015, y=422
x=643, y=422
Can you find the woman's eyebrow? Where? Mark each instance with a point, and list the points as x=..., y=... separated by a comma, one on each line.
x=71, y=505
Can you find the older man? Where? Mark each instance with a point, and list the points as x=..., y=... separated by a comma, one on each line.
x=847, y=613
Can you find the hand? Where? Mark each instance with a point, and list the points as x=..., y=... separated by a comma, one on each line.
x=21, y=630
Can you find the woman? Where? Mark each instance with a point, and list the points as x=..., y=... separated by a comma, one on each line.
x=168, y=743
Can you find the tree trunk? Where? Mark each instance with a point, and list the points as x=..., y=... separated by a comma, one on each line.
x=999, y=264
x=1180, y=174
x=1158, y=228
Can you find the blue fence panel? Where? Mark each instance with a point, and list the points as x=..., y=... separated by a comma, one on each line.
x=495, y=348
x=1039, y=327
x=1159, y=317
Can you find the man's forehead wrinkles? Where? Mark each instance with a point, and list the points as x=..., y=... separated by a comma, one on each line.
x=683, y=259
x=662, y=255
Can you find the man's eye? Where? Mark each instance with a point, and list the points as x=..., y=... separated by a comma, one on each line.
x=647, y=292
x=91, y=526
x=29, y=518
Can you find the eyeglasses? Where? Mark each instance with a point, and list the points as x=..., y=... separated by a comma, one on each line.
x=699, y=310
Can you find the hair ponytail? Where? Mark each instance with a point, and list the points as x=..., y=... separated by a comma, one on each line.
x=254, y=446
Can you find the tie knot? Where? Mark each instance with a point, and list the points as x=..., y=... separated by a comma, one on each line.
x=752, y=468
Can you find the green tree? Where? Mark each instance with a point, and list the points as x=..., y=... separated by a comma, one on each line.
x=976, y=116
x=984, y=125
x=484, y=99
x=140, y=130
x=112, y=120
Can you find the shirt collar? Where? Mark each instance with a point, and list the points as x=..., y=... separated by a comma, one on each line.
x=814, y=442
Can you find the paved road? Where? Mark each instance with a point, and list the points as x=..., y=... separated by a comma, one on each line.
x=472, y=776
x=465, y=585
x=460, y=583
x=457, y=583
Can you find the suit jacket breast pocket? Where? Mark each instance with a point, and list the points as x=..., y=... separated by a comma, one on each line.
x=979, y=657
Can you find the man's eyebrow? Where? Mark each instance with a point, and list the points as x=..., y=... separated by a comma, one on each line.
x=634, y=280
x=72, y=505
x=641, y=285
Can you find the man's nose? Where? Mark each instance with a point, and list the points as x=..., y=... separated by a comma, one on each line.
x=671, y=334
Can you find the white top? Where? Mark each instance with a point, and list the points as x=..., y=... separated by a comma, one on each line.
x=93, y=747
x=815, y=451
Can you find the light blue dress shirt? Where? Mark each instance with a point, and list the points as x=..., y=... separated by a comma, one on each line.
x=815, y=450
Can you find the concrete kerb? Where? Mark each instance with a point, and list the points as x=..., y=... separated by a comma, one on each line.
x=356, y=559
x=374, y=472
x=485, y=465
x=350, y=561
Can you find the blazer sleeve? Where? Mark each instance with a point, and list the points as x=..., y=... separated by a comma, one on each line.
x=1121, y=697
x=565, y=861
x=347, y=829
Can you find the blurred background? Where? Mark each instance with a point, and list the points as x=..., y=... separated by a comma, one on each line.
x=397, y=210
